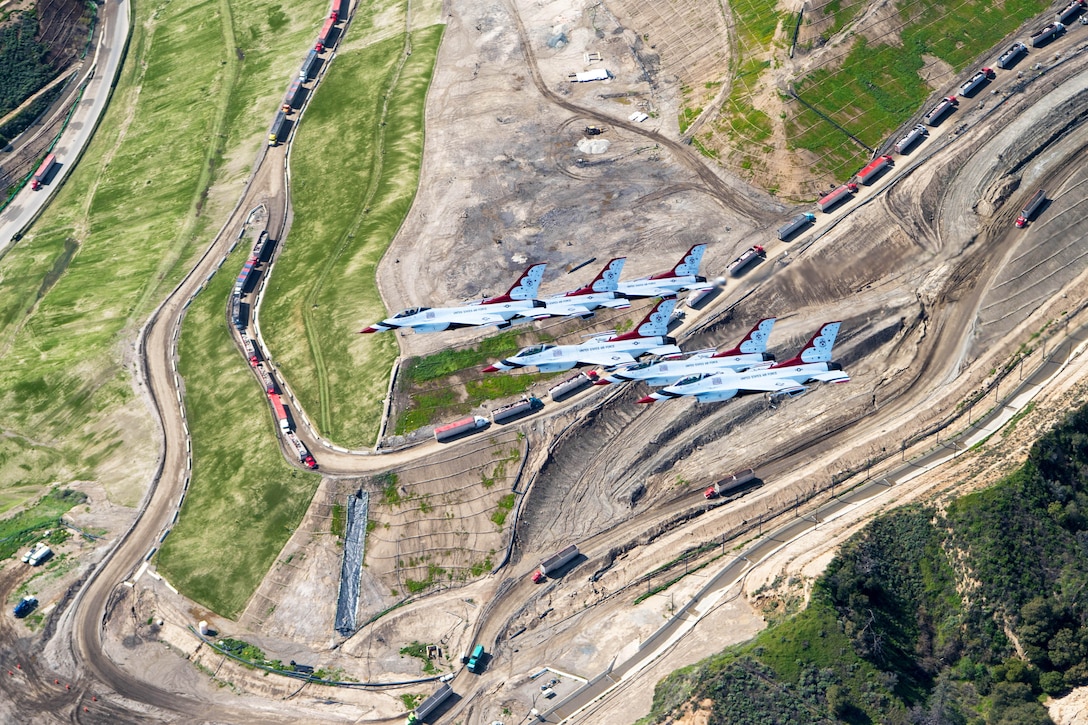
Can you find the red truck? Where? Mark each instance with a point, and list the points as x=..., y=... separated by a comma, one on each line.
x=874, y=169
x=554, y=563
x=42, y=174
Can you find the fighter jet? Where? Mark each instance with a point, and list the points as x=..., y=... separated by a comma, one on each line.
x=684, y=276
x=601, y=292
x=648, y=337
x=491, y=311
x=782, y=379
x=751, y=352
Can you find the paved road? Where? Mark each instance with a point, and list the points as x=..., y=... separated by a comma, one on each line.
x=102, y=70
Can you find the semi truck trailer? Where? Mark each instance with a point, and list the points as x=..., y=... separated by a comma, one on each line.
x=291, y=99
x=512, y=412
x=730, y=484
x=916, y=134
x=836, y=197
x=1009, y=57
x=304, y=456
x=1031, y=209
x=874, y=169
x=1042, y=36
x=429, y=705
x=794, y=225
x=555, y=562
x=42, y=174
x=975, y=82
x=280, y=411
x=476, y=660
x=938, y=112
x=1071, y=11
x=450, y=431
x=572, y=385
x=323, y=36
x=309, y=67
x=279, y=125
x=751, y=256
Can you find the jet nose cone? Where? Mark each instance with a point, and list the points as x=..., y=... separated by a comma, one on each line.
x=491, y=369
x=647, y=399
x=368, y=330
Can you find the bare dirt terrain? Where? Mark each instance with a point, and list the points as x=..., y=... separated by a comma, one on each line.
x=936, y=290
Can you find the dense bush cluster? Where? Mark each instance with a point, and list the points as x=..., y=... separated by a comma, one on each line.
x=23, y=63
x=970, y=616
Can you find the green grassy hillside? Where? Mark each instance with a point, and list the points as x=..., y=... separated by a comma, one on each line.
x=973, y=615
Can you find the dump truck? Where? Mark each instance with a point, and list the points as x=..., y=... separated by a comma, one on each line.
x=916, y=134
x=794, y=225
x=972, y=84
x=464, y=426
x=555, y=562
x=429, y=705
x=730, y=484
x=42, y=174
x=836, y=197
x=874, y=169
x=1009, y=57
x=572, y=385
x=1070, y=12
x=512, y=412
x=751, y=256
x=1031, y=209
x=1042, y=36
x=938, y=112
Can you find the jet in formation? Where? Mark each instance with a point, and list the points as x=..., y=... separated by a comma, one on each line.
x=520, y=305
x=520, y=298
x=751, y=352
x=648, y=338
x=683, y=277
x=788, y=378
x=601, y=292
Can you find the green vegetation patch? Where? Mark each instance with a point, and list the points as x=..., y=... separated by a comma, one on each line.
x=914, y=619
x=355, y=168
x=24, y=61
x=18, y=531
x=244, y=500
x=434, y=386
x=878, y=86
x=130, y=219
x=419, y=651
x=757, y=21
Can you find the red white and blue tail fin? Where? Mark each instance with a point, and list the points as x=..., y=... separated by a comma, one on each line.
x=818, y=349
x=754, y=341
x=607, y=280
x=655, y=324
x=689, y=265
x=524, y=289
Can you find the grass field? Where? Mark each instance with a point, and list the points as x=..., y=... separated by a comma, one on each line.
x=244, y=499
x=350, y=197
x=152, y=186
x=878, y=86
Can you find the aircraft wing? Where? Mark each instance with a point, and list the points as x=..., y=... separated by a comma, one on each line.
x=772, y=385
x=479, y=318
x=606, y=359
